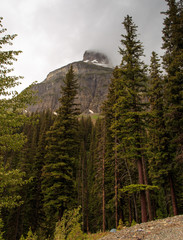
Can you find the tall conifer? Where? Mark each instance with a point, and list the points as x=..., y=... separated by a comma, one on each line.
x=158, y=156
x=173, y=65
x=130, y=106
x=59, y=172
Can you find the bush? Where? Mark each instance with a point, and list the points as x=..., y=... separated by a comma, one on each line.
x=30, y=236
x=69, y=227
x=133, y=223
x=120, y=226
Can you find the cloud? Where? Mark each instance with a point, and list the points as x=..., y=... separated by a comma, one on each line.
x=54, y=33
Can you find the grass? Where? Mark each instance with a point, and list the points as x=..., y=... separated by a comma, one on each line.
x=93, y=116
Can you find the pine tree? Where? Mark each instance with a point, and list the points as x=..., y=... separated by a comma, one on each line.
x=45, y=121
x=100, y=166
x=85, y=130
x=130, y=107
x=172, y=61
x=157, y=132
x=173, y=65
x=59, y=172
x=31, y=161
x=158, y=157
x=96, y=178
x=111, y=154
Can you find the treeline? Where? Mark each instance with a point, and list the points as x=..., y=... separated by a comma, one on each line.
x=124, y=168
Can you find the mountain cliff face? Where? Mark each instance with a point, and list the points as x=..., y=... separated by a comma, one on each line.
x=93, y=79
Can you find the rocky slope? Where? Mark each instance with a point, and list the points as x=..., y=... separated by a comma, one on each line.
x=170, y=228
x=93, y=74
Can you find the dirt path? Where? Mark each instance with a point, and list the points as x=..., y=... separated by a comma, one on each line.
x=164, y=229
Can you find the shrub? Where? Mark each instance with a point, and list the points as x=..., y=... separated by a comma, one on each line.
x=69, y=227
x=120, y=226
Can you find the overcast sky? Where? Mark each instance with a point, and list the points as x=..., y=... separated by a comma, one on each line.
x=53, y=33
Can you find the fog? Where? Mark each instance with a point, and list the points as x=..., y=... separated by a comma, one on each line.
x=54, y=33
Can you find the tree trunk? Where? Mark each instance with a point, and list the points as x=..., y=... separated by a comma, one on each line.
x=17, y=222
x=83, y=196
x=121, y=215
x=173, y=197
x=149, y=206
x=84, y=189
x=103, y=181
x=130, y=211
x=87, y=224
x=133, y=195
x=142, y=193
x=116, y=184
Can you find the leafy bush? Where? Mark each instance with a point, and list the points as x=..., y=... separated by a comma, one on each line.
x=30, y=236
x=69, y=227
x=133, y=223
x=120, y=226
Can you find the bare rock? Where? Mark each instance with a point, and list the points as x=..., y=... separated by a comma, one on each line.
x=93, y=83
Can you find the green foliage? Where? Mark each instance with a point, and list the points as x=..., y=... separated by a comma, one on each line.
x=30, y=236
x=7, y=58
x=142, y=119
x=158, y=157
x=130, y=189
x=130, y=107
x=83, y=172
x=133, y=223
x=9, y=181
x=22, y=238
x=127, y=224
x=69, y=227
x=126, y=108
x=173, y=65
x=1, y=227
x=11, y=109
x=59, y=171
x=172, y=61
x=12, y=118
x=161, y=211
x=120, y=225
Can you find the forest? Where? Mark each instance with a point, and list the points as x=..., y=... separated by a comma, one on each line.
x=63, y=175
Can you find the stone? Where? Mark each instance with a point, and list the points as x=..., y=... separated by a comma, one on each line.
x=93, y=81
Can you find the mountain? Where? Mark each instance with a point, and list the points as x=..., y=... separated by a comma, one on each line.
x=93, y=74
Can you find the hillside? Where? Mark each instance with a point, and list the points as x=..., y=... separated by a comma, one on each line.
x=93, y=74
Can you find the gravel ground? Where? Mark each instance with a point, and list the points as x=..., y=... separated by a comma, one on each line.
x=163, y=229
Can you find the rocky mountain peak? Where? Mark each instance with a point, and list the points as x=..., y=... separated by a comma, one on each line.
x=96, y=57
x=93, y=80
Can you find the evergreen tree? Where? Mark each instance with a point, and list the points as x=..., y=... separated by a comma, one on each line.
x=111, y=154
x=59, y=171
x=45, y=121
x=11, y=119
x=100, y=175
x=157, y=132
x=158, y=157
x=96, y=178
x=130, y=106
x=31, y=161
x=85, y=130
x=173, y=65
